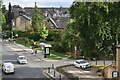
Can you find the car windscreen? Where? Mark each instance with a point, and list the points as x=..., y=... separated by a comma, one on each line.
x=10, y=67
x=82, y=62
x=22, y=57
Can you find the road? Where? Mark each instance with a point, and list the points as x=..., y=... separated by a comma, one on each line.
x=34, y=68
x=30, y=71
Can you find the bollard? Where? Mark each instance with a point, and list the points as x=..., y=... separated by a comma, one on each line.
x=54, y=73
x=104, y=62
x=48, y=69
x=60, y=77
x=52, y=66
x=96, y=62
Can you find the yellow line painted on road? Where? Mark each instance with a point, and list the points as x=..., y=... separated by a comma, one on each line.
x=37, y=60
x=50, y=60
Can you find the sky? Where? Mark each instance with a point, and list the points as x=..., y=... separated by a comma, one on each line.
x=40, y=3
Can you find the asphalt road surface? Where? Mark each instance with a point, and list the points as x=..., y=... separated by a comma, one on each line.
x=29, y=71
x=33, y=70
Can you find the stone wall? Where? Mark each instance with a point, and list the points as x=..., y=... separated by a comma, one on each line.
x=108, y=71
x=21, y=23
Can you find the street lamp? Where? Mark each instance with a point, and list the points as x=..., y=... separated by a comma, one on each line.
x=75, y=50
x=12, y=35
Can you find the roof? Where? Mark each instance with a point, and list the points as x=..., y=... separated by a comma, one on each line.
x=8, y=63
x=45, y=45
x=26, y=17
x=21, y=56
x=81, y=60
x=57, y=15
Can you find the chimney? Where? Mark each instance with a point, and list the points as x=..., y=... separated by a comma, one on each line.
x=53, y=9
x=60, y=8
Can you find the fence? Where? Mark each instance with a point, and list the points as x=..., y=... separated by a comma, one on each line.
x=102, y=62
x=55, y=74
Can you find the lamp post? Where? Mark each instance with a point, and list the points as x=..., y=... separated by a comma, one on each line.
x=75, y=51
x=12, y=35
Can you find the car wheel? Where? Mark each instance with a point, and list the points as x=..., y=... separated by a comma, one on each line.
x=81, y=67
x=5, y=73
x=18, y=62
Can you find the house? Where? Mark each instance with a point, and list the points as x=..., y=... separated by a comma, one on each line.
x=56, y=17
x=22, y=22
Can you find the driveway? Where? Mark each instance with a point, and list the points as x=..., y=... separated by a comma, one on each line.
x=88, y=74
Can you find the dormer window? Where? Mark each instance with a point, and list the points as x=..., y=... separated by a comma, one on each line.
x=27, y=14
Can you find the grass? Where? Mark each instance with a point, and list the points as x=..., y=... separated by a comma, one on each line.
x=71, y=57
x=25, y=44
x=60, y=54
x=54, y=57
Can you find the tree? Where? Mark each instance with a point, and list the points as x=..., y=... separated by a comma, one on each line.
x=0, y=15
x=38, y=23
x=95, y=31
x=3, y=22
x=9, y=17
x=4, y=9
x=16, y=6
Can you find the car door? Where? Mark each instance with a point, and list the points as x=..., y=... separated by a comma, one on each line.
x=17, y=59
x=77, y=64
x=3, y=67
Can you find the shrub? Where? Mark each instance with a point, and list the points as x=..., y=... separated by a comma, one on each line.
x=35, y=37
x=54, y=35
x=31, y=42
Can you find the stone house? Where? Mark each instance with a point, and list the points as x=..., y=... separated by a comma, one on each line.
x=22, y=22
x=56, y=18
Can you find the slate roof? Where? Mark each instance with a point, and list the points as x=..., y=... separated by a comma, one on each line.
x=58, y=15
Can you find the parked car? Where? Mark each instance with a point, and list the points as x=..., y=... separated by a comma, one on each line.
x=82, y=64
x=22, y=60
x=8, y=67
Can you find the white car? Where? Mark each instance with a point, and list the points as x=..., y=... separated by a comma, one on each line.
x=82, y=64
x=8, y=67
x=22, y=60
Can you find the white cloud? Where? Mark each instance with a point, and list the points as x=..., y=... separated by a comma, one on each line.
x=43, y=0
x=40, y=3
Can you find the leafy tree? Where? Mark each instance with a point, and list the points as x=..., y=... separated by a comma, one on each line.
x=4, y=9
x=38, y=23
x=3, y=22
x=16, y=6
x=92, y=28
x=0, y=15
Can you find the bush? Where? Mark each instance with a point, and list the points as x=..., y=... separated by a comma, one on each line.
x=7, y=34
x=58, y=48
x=54, y=35
x=35, y=37
x=31, y=42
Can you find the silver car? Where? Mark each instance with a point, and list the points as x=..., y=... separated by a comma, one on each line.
x=22, y=60
x=82, y=64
